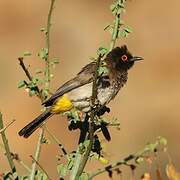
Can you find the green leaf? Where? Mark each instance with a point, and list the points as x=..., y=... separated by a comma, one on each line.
x=114, y=11
x=83, y=146
x=123, y=33
x=71, y=157
x=31, y=85
x=39, y=175
x=43, y=29
x=86, y=143
x=107, y=27
x=121, y=2
x=120, y=10
x=151, y=147
x=73, y=116
x=110, y=30
x=102, y=51
x=38, y=71
x=121, y=22
x=55, y=60
x=117, y=7
x=21, y=84
x=31, y=92
x=27, y=53
x=103, y=70
x=43, y=53
x=84, y=176
x=62, y=170
x=112, y=7
x=162, y=140
x=45, y=141
x=8, y=176
x=45, y=92
x=36, y=80
x=24, y=178
x=128, y=29
x=70, y=164
x=139, y=160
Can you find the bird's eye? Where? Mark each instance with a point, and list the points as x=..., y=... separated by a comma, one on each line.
x=124, y=57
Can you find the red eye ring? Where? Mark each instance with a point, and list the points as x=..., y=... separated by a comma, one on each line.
x=124, y=57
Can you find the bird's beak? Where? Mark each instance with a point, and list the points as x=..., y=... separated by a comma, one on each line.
x=136, y=58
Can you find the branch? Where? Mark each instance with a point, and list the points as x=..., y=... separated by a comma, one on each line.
x=57, y=141
x=115, y=32
x=94, y=94
x=93, y=99
x=117, y=11
x=77, y=162
x=24, y=165
x=15, y=156
x=138, y=157
x=112, y=166
x=48, y=27
x=47, y=78
x=40, y=167
x=21, y=62
x=4, y=128
x=91, y=124
x=6, y=145
x=37, y=153
x=38, y=92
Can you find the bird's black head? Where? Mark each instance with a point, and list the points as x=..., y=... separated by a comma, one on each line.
x=121, y=59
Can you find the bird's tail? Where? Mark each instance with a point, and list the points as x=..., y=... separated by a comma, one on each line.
x=32, y=126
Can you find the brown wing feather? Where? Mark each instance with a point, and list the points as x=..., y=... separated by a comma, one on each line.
x=85, y=76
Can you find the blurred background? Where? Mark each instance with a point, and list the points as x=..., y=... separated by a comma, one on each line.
x=147, y=107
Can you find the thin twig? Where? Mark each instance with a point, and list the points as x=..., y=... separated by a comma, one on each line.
x=94, y=97
x=116, y=27
x=40, y=166
x=91, y=124
x=56, y=140
x=24, y=165
x=6, y=146
x=47, y=78
x=21, y=63
x=29, y=76
x=3, y=129
x=77, y=163
x=149, y=148
x=48, y=27
x=37, y=153
x=113, y=124
x=112, y=166
x=17, y=159
x=115, y=32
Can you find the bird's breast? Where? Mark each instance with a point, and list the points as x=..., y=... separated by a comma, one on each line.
x=81, y=96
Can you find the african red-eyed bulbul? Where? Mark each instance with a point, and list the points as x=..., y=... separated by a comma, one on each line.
x=76, y=93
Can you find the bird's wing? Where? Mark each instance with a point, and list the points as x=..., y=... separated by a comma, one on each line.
x=85, y=76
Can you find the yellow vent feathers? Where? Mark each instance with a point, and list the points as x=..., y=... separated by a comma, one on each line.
x=63, y=104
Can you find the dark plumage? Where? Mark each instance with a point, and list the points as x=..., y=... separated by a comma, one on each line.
x=79, y=89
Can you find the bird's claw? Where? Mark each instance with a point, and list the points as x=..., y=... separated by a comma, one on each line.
x=102, y=111
x=96, y=104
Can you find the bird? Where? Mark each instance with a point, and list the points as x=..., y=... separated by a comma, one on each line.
x=77, y=92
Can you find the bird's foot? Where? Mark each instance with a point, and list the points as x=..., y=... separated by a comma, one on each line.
x=102, y=111
x=96, y=104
